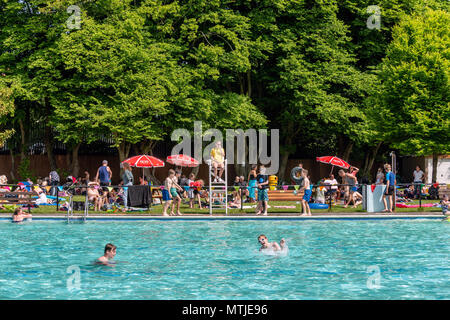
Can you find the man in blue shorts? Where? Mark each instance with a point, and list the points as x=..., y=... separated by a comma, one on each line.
x=307, y=194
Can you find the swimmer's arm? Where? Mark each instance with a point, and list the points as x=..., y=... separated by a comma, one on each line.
x=276, y=246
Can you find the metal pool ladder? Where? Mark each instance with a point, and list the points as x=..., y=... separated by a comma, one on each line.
x=70, y=214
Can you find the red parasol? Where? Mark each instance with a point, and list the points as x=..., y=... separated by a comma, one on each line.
x=334, y=161
x=144, y=161
x=182, y=160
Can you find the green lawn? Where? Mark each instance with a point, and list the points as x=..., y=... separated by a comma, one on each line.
x=157, y=209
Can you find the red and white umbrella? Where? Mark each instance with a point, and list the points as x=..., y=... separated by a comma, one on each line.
x=144, y=161
x=182, y=160
x=334, y=161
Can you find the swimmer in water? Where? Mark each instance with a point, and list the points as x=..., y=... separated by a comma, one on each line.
x=110, y=253
x=18, y=215
x=265, y=244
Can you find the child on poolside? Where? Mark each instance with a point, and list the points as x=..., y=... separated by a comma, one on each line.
x=265, y=244
x=166, y=191
x=307, y=194
x=190, y=191
x=18, y=215
x=109, y=254
x=175, y=193
x=444, y=204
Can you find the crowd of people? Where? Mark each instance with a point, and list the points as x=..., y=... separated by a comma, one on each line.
x=178, y=189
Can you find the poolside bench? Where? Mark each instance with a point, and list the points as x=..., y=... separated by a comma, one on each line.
x=13, y=197
x=281, y=195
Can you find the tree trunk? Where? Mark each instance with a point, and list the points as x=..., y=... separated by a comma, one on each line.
x=75, y=165
x=285, y=153
x=48, y=137
x=146, y=147
x=369, y=160
x=13, y=164
x=249, y=83
x=435, y=163
x=123, y=150
x=347, y=151
x=22, y=140
x=372, y=158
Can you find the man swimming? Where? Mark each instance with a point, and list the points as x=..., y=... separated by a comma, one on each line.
x=265, y=244
x=110, y=253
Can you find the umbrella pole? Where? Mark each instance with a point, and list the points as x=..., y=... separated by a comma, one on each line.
x=332, y=167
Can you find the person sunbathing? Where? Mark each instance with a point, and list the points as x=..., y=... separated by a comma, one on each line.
x=42, y=197
x=94, y=196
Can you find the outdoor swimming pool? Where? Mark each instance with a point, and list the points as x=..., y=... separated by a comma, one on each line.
x=220, y=260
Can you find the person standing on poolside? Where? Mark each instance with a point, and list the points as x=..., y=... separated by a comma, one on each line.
x=265, y=244
x=166, y=191
x=175, y=191
x=104, y=174
x=190, y=192
x=390, y=188
x=307, y=194
x=127, y=179
x=263, y=197
x=109, y=254
x=217, y=161
x=418, y=180
x=18, y=215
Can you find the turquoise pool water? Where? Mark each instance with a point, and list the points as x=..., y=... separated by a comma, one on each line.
x=220, y=260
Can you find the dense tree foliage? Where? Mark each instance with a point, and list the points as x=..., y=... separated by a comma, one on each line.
x=414, y=110
x=136, y=70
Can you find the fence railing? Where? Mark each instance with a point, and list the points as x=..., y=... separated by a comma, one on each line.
x=329, y=190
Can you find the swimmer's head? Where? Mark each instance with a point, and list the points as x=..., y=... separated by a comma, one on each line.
x=262, y=239
x=18, y=211
x=110, y=250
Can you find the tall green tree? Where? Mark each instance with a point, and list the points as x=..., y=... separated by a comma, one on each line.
x=414, y=101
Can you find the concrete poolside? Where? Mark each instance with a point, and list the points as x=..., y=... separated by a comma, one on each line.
x=239, y=216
